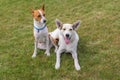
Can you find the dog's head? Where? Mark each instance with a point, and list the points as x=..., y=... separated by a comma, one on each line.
x=39, y=15
x=67, y=30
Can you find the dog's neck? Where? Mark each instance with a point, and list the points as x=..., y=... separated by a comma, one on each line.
x=38, y=24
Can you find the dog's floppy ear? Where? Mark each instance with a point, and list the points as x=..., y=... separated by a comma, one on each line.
x=76, y=25
x=58, y=23
x=43, y=7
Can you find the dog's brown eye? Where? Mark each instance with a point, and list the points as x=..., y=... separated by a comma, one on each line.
x=64, y=29
x=43, y=14
x=70, y=29
x=39, y=15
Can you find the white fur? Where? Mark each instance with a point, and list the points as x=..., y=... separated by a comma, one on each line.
x=63, y=47
x=41, y=37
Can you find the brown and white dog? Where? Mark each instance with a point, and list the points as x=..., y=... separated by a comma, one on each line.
x=67, y=38
x=40, y=31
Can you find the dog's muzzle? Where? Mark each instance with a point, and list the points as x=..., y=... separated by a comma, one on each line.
x=44, y=21
x=67, y=38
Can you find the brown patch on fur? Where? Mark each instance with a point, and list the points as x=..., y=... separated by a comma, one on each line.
x=43, y=12
x=54, y=41
x=37, y=15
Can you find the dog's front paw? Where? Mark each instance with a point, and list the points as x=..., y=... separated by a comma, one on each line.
x=56, y=48
x=46, y=52
x=77, y=67
x=57, y=66
x=55, y=51
x=33, y=56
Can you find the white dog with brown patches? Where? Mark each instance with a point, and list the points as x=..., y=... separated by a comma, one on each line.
x=67, y=38
x=40, y=31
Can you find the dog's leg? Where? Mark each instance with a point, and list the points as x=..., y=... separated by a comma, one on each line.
x=52, y=42
x=47, y=46
x=56, y=48
x=77, y=66
x=58, y=54
x=35, y=49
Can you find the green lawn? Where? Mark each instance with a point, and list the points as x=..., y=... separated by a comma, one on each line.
x=98, y=48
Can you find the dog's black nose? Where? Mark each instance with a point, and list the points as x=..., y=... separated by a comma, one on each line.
x=44, y=21
x=67, y=35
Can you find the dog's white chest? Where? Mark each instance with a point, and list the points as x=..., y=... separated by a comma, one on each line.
x=69, y=47
x=41, y=35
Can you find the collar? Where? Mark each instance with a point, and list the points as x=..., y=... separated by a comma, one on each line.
x=39, y=29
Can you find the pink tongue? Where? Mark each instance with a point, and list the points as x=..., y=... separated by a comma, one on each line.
x=67, y=40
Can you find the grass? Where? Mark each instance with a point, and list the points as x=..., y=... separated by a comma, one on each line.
x=98, y=48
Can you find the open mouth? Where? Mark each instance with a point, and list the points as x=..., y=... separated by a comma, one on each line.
x=67, y=40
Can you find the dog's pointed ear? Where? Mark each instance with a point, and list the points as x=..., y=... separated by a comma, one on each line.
x=32, y=11
x=43, y=7
x=59, y=24
x=76, y=25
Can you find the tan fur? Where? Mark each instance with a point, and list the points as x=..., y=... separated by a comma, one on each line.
x=54, y=41
x=36, y=14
